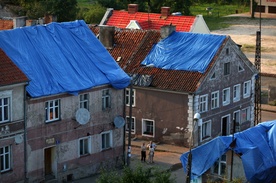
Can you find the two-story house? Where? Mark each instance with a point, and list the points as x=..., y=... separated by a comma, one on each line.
x=133, y=19
x=12, y=121
x=191, y=73
x=74, y=102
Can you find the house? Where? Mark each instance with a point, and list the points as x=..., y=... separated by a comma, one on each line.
x=268, y=6
x=12, y=120
x=74, y=102
x=133, y=19
x=254, y=147
x=192, y=73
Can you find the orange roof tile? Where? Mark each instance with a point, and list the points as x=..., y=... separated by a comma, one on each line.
x=134, y=45
x=152, y=21
x=10, y=73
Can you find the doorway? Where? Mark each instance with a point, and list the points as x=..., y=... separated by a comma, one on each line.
x=225, y=121
x=50, y=163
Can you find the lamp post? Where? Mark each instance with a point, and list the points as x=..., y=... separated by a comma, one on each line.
x=189, y=164
x=130, y=111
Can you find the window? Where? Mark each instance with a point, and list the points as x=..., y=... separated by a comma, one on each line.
x=5, y=157
x=245, y=115
x=206, y=130
x=52, y=110
x=240, y=68
x=4, y=109
x=148, y=127
x=213, y=76
x=246, y=89
x=84, y=146
x=203, y=103
x=226, y=68
x=84, y=102
x=128, y=97
x=219, y=167
x=236, y=92
x=106, y=140
x=237, y=117
x=132, y=124
x=215, y=100
x=106, y=99
x=227, y=51
x=226, y=96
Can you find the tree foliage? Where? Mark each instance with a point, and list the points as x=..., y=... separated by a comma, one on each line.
x=92, y=15
x=65, y=10
x=139, y=174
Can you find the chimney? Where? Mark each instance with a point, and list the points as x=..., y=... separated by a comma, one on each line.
x=165, y=12
x=166, y=30
x=107, y=36
x=49, y=18
x=132, y=8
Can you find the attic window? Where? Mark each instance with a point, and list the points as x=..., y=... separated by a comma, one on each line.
x=213, y=76
x=119, y=59
x=241, y=68
x=227, y=51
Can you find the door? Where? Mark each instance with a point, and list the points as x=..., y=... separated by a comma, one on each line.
x=48, y=161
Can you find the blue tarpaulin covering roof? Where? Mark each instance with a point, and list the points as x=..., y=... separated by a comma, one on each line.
x=185, y=51
x=256, y=147
x=61, y=57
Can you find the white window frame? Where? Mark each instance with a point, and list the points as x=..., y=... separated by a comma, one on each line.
x=106, y=99
x=106, y=140
x=220, y=162
x=133, y=123
x=7, y=108
x=203, y=103
x=246, y=89
x=84, y=145
x=206, y=129
x=226, y=96
x=52, y=111
x=215, y=100
x=245, y=114
x=84, y=101
x=146, y=127
x=5, y=156
x=128, y=97
x=237, y=93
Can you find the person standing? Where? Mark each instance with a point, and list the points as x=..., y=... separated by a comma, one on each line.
x=143, y=152
x=151, y=147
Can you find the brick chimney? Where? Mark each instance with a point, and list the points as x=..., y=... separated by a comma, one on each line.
x=132, y=8
x=49, y=18
x=107, y=36
x=166, y=30
x=165, y=12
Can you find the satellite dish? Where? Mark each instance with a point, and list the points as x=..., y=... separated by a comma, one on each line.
x=119, y=121
x=18, y=139
x=82, y=116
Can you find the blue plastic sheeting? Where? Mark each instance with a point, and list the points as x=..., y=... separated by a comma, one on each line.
x=185, y=51
x=256, y=145
x=61, y=57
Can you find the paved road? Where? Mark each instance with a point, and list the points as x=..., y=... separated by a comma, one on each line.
x=268, y=116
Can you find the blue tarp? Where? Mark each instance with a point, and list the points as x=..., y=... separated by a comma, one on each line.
x=256, y=145
x=61, y=57
x=185, y=51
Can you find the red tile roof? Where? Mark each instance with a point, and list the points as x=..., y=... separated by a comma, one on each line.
x=134, y=45
x=152, y=21
x=6, y=24
x=10, y=73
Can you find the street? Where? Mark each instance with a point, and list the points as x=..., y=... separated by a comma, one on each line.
x=268, y=116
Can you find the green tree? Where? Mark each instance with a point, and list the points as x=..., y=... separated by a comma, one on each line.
x=65, y=10
x=92, y=15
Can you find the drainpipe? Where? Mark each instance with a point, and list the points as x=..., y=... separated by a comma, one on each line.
x=124, y=134
x=25, y=135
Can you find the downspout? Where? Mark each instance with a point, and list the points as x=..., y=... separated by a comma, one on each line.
x=124, y=134
x=25, y=135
